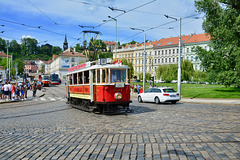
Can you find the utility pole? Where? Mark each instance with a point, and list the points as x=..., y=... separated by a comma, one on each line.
x=179, y=55
x=144, y=57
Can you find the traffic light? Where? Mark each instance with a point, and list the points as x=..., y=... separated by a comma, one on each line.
x=152, y=79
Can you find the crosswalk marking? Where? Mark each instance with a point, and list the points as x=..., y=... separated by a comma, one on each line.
x=49, y=99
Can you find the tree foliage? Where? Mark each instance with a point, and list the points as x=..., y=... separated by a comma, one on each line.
x=169, y=72
x=125, y=62
x=222, y=23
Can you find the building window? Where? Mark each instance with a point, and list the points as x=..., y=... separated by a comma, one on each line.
x=187, y=58
x=177, y=50
x=158, y=60
x=165, y=51
x=165, y=60
x=162, y=60
x=191, y=58
x=139, y=54
x=187, y=50
x=159, y=53
x=162, y=52
x=196, y=58
x=135, y=61
x=169, y=60
x=173, y=51
x=73, y=59
x=149, y=61
x=169, y=51
x=173, y=60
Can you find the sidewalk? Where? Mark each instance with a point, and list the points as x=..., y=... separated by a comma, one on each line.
x=39, y=93
x=214, y=101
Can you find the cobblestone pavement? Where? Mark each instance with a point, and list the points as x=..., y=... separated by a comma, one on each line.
x=50, y=129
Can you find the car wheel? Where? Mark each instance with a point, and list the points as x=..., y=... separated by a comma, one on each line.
x=139, y=99
x=174, y=102
x=157, y=101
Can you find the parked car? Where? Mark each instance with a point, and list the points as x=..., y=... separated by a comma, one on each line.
x=159, y=95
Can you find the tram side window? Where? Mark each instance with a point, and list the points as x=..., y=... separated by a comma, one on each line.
x=75, y=78
x=70, y=79
x=80, y=78
x=86, y=77
x=98, y=76
x=104, y=76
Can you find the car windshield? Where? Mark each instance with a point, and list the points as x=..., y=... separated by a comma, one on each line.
x=45, y=78
x=169, y=90
x=118, y=75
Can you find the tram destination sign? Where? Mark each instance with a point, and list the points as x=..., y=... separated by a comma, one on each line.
x=80, y=66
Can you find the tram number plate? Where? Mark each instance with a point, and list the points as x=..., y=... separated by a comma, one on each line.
x=119, y=85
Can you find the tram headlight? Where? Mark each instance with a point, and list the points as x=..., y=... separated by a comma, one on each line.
x=118, y=96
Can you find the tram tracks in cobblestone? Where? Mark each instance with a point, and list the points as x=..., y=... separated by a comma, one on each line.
x=34, y=114
x=90, y=139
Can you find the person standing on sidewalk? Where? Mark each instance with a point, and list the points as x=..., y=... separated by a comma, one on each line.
x=34, y=89
x=13, y=92
x=25, y=91
x=10, y=90
x=6, y=90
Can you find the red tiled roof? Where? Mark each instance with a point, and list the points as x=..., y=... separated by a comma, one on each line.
x=185, y=39
x=71, y=54
x=2, y=54
x=110, y=43
x=199, y=38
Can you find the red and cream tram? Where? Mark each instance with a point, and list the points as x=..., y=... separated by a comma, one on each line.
x=99, y=86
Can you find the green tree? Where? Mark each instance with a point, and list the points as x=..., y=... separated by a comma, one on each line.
x=125, y=62
x=20, y=66
x=187, y=70
x=199, y=76
x=222, y=23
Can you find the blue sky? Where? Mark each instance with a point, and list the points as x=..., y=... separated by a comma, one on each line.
x=50, y=20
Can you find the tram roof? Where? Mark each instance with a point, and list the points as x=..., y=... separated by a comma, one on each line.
x=97, y=66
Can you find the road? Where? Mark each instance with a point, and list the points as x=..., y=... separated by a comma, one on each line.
x=48, y=128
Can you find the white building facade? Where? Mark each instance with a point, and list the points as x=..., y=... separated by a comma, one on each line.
x=65, y=60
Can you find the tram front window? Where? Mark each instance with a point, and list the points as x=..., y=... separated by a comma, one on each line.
x=118, y=75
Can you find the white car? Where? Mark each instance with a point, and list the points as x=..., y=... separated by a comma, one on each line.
x=159, y=95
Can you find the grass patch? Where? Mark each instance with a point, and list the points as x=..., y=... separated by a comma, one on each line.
x=202, y=91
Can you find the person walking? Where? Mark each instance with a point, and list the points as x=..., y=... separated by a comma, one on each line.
x=6, y=90
x=13, y=90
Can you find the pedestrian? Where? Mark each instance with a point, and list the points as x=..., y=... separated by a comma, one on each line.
x=13, y=90
x=6, y=90
x=22, y=91
x=17, y=92
x=10, y=90
x=29, y=85
x=34, y=89
x=25, y=91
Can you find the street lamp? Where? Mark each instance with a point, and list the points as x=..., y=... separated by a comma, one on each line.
x=144, y=57
x=179, y=55
x=116, y=34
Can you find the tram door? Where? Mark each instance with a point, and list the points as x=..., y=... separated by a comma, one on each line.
x=92, y=78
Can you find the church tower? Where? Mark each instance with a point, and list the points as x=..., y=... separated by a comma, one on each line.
x=65, y=44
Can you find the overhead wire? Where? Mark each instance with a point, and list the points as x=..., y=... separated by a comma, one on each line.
x=42, y=12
